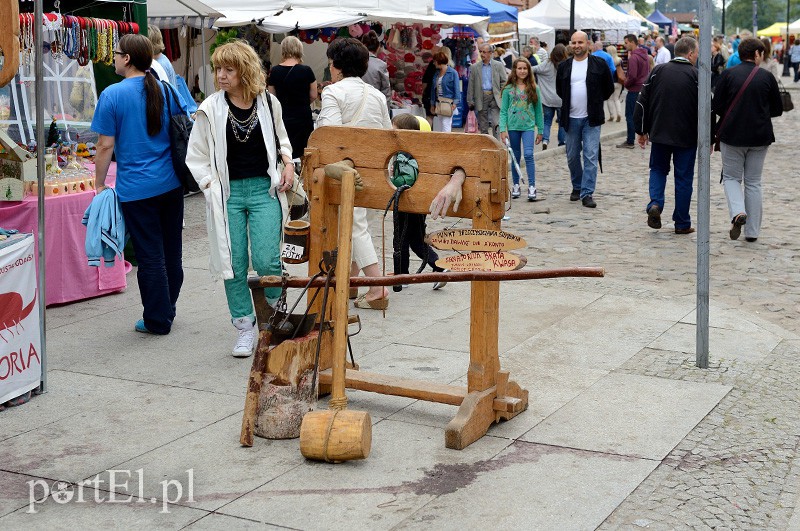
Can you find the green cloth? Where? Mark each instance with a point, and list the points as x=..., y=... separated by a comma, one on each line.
x=517, y=114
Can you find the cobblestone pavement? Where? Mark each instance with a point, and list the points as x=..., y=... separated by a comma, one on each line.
x=738, y=468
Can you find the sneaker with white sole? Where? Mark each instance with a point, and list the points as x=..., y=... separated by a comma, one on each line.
x=245, y=342
x=531, y=193
x=441, y=283
x=515, y=193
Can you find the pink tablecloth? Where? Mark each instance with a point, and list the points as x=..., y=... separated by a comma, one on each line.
x=68, y=276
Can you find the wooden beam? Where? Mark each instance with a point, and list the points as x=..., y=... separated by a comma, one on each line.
x=392, y=385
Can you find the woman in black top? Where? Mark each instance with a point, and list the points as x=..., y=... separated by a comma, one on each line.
x=295, y=86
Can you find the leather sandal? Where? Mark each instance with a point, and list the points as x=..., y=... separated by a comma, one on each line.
x=375, y=304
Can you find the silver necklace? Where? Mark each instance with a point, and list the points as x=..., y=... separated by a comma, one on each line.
x=245, y=126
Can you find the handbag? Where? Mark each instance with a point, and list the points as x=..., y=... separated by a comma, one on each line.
x=786, y=98
x=472, y=123
x=180, y=128
x=296, y=196
x=444, y=107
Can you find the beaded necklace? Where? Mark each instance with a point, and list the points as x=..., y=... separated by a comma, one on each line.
x=246, y=126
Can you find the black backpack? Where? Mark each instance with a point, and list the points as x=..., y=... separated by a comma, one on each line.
x=180, y=127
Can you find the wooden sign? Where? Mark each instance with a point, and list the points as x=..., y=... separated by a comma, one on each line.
x=483, y=261
x=475, y=240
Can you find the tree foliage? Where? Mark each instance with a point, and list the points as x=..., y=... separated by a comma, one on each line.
x=739, y=13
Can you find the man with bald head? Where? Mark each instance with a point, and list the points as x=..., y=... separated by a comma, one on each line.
x=583, y=82
x=486, y=81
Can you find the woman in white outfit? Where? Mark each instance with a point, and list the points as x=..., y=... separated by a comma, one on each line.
x=612, y=103
x=350, y=101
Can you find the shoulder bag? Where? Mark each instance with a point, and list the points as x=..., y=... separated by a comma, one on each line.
x=786, y=97
x=180, y=127
x=296, y=196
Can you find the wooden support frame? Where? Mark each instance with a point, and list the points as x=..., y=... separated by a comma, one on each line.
x=490, y=396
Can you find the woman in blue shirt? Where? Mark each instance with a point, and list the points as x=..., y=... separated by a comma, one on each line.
x=445, y=85
x=131, y=121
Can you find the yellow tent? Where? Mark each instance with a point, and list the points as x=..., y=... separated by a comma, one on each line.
x=776, y=30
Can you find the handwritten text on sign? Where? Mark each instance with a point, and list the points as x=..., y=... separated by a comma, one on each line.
x=482, y=261
x=476, y=240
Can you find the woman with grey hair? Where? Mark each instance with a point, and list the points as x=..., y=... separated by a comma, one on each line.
x=295, y=86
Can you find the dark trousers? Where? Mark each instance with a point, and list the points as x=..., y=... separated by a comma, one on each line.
x=630, y=105
x=683, y=160
x=155, y=225
x=412, y=236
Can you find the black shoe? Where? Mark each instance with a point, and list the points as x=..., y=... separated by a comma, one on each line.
x=588, y=202
x=575, y=195
x=749, y=239
x=654, y=217
x=544, y=145
x=625, y=145
x=736, y=226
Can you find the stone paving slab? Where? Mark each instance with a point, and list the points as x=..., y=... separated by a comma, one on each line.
x=754, y=344
x=85, y=444
x=406, y=469
x=16, y=492
x=623, y=414
x=70, y=394
x=531, y=486
x=91, y=515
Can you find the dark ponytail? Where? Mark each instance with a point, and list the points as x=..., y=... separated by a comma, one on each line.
x=140, y=51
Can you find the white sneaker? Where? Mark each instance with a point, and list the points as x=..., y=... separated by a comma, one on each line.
x=515, y=191
x=441, y=283
x=531, y=193
x=247, y=336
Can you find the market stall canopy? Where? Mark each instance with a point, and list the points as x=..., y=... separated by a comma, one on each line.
x=496, y=11
x=175, y=13
x=528, y=26
x=795, y=26
x=659, y=18
x=283, y=20
x=776, y=30
x=642, y=19
x=589, y=14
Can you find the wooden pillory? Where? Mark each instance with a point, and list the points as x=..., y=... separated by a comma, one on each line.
x=490, y=395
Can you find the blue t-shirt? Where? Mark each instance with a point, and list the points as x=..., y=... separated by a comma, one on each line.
x=144, y=162
x=608, y=59
x=167, y=66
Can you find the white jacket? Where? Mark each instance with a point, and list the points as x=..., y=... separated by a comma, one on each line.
x=206, y=157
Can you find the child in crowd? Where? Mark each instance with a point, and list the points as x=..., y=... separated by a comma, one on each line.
x=410, y=228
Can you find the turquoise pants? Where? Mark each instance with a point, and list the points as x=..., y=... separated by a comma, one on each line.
x=254, y=222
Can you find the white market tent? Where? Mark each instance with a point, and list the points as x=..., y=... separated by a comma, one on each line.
x=589, y=14
x=529, y=28
x=794, y=27
x=175, y=13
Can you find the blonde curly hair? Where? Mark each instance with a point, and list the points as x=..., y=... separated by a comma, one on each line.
x=243, y=58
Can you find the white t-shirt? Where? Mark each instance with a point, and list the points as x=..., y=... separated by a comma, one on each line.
x=578, y=95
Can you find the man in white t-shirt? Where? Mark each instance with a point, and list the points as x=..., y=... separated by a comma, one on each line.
x=662, y=53
x=583, y=83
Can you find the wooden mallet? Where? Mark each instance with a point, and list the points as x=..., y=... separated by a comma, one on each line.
x=339, y=434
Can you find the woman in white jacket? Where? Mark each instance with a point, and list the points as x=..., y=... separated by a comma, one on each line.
x=232, y=156
x=350, y=101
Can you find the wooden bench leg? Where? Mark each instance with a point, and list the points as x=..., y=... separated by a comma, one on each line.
x=472, y=421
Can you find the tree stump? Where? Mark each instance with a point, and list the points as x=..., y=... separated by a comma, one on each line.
x=286, y=394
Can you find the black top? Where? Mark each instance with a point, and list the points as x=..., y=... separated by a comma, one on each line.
x=245, y=159
x=599, y=88
x=292, y=86
x=750, y=122
x=667, y=105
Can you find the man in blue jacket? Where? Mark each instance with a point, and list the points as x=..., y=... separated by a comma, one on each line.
x=666, y=115
x=583, y=82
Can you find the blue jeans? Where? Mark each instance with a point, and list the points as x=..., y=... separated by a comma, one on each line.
x=583, y=139
x=527, y=138
x=549, y=112
x=683, y=159
x=254, y=223
x=630, y=105
x=156, y=225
